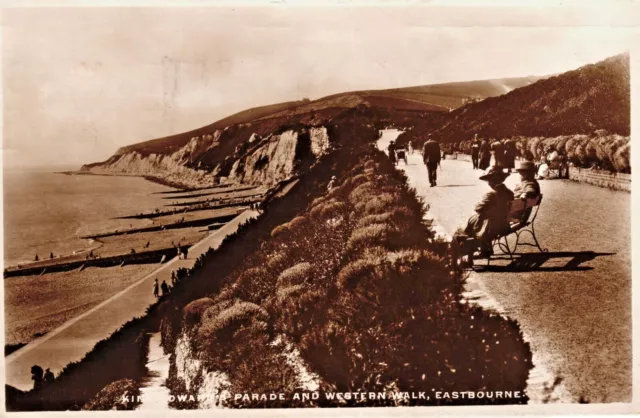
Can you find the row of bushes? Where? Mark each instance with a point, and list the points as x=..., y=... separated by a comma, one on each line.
x=357, y=283
x=600, y=150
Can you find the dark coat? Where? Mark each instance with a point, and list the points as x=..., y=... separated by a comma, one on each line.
x=529, y=187
x=492, y=214
x=485, y=156
x=510, y=153
x=431, y=152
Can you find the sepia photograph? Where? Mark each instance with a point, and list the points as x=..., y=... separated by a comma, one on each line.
x=280, y=206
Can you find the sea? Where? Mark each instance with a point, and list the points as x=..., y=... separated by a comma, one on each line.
x=45, y=211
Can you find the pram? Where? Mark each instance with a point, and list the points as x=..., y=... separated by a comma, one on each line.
x=401, y=154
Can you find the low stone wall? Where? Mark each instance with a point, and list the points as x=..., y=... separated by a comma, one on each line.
x=614, y=181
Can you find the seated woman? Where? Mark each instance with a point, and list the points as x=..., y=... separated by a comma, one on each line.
x=528, y=188
x=491, y=217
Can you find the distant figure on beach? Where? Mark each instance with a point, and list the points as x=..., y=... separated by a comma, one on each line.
x=51, y=255
x=91, y=254
x=156, y=288
x=36, y=259
x=184, y=251
x=48, y=377
x=174, y=279
x=165, y=288
x=147, y=244
x=37, y=376
x=133, y=251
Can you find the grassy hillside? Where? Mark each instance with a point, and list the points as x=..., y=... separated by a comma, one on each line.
x=595, y=96
x=432, y=98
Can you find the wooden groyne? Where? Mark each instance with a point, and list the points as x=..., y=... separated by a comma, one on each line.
x=204, y=202
x=241, y=207
x=145, y=257
x=193, y=196
x=186, y=224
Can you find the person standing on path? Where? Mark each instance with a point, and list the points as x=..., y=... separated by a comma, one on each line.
x=510, y=153
x=484, y=156
x=498, y=154
x=475, y=151
x=156, y=289
x=165, y=288
x=431, y=156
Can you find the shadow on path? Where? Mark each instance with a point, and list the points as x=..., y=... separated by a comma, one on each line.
x=533, y=262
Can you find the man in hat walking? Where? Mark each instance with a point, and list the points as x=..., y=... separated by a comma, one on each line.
x=431, y=156
x=492, y=213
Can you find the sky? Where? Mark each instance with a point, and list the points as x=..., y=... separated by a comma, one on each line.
x=78, y=83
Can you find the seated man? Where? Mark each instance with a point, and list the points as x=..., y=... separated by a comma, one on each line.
x=491, y=218
x=528, y=188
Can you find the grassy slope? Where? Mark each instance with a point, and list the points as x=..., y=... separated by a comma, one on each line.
x=360, y=322
x=439, y=97
x=596, y=96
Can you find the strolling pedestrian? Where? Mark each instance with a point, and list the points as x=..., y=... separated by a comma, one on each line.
x=174, y=279
x=156, y=289
x=475, y=151
x=36, y=258
x=48, y=377
x=497, y=148
x=392, y=151
x=51, y=256
x=431, y=157
x=510, y=153
x=410, y=147
x=165, y=288
x=484, y=157
x=37, y=376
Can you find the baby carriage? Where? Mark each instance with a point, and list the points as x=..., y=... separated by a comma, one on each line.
x=401, y=154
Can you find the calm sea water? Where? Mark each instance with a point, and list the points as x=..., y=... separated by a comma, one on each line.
x=46, y=212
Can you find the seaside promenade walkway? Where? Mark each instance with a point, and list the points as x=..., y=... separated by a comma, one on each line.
x=73, y=339
x=577, y=321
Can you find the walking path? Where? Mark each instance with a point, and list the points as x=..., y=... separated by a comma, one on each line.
x=73, y=339
x=154, y=392
x=578, y=322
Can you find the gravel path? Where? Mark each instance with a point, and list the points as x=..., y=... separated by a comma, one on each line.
x=578, y=322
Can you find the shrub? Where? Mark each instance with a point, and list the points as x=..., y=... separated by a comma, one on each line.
x=192, y=313
x=298, y=223
x=297, y=274
x=111, y=397
x=280, y=230
x=368, y=236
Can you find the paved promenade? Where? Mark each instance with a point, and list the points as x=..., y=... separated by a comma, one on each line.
x=72, y=340
x=577, y=320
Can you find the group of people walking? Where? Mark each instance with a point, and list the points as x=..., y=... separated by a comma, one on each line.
x=504, y=154
x=493, y=216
